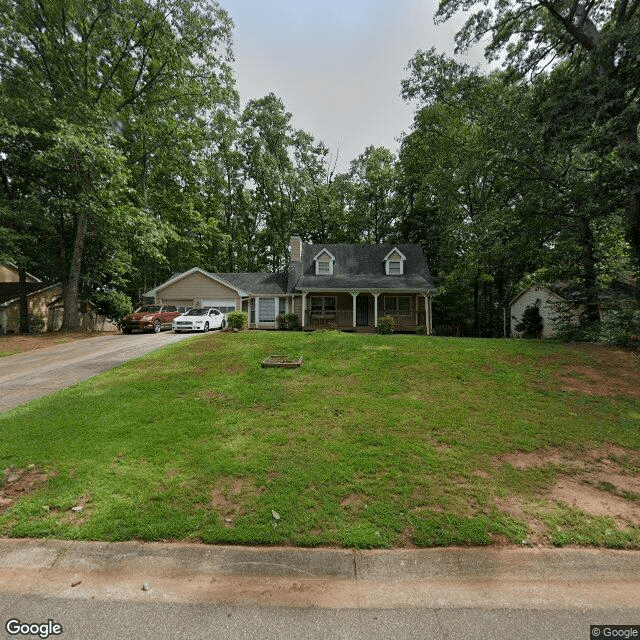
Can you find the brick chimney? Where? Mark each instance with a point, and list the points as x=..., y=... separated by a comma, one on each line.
x=296, y=248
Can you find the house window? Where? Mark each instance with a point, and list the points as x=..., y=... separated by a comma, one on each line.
x=323, y=303
x=397, y=304
x=267, y=309
x=324, y=263
x=394, y=263
x=324, y=267
x=395, y=267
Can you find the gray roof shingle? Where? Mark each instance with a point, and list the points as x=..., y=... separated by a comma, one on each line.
x=361, y=266
x=256, y=283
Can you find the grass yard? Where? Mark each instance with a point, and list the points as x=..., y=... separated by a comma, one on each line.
x=377, y=441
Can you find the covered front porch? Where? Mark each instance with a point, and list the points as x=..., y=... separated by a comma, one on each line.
x=359, y=311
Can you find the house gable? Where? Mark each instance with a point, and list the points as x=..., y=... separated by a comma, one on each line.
x=195, y=278
x=394, y=262
x=324, y=261
x=193, y=285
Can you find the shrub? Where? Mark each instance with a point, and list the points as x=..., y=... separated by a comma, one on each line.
x=421, y=330
x=385, y=325
x=621, y=326
x=530, y=326
x=237, y=320
x=114, y=305
x=288, y=322
x=36, y=324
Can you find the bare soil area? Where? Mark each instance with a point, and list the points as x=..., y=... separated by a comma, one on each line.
x=12, y=344
x=600, y=482
x=610, y=372
x=17, y=482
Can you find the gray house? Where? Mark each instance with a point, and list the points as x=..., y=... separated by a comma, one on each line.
x=343, y=286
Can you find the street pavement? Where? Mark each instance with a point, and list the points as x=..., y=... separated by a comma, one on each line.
x=165, y=590
x=30, y=375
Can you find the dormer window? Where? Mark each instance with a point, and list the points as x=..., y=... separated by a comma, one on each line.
x=324, y=263
x=394, y=263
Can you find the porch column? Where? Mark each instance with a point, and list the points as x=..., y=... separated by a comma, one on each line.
x=430, y=315
x=257, y=318
x=375, y=307
x=304, y=308
x=426, y=314
x=354, y=295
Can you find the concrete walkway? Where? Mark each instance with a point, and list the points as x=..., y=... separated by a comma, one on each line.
x=37, y=373
x=510, y=578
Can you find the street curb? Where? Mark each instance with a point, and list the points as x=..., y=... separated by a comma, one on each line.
x=452, y=563
x=478, y=578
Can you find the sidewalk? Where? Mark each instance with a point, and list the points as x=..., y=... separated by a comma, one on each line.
x=509, y=578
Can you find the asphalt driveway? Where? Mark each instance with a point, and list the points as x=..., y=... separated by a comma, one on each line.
x=33, y=374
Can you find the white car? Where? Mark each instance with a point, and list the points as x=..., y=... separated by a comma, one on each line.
x=202, y=319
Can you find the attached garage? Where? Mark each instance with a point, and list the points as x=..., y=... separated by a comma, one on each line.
x=197, y=288
x=262, y=295
x=222, y=304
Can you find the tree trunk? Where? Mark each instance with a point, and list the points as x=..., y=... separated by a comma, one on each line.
x=589, y=271
x=476, y=308
x=634, y=233
x=70, y=292
x=24, y=304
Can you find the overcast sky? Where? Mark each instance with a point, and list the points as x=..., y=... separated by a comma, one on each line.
x=336, y=64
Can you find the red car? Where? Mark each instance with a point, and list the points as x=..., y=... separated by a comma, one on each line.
x=152, y=317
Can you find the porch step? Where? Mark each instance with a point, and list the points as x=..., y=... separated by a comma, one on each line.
x=365, y=329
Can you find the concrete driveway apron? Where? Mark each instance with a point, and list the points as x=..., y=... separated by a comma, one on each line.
x=33, y=374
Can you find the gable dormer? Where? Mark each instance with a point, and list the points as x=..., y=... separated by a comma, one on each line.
x=394, y=262
x=324, y=263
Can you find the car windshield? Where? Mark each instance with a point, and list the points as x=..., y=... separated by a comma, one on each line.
x=198, y=312
x=149, y=309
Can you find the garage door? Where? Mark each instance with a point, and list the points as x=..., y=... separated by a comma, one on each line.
x=224, y=305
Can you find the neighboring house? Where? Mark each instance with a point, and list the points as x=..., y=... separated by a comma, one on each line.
x=328, y=285
x=39, y=298
x=43, y=302
x=548, y=303
x=560, y=299
x=9, y=273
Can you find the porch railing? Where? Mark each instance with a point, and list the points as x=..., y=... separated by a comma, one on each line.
x=407, y=319
x=324, y=319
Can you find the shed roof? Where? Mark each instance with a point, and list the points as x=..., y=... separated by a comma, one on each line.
x=10, y=291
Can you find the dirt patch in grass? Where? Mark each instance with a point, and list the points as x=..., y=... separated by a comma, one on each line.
x=354, y=502
x=591, y=500
x=596, y=481
x=628, y=484
x=17, y=482
x=610, y=372
x=10, y=345
x=512, y=507
x=229, y=497
x=604, y=458
x=533, y=459
x=214, y=396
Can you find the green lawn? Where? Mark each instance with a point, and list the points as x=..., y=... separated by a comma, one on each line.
x=376, y=441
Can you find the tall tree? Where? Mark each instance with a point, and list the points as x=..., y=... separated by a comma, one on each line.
x=600, y=40
x=71, y=64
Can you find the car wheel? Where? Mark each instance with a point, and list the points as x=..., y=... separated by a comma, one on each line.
x=126, y=330
x=224, y=324
x=206, y=327
x=157, y=326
